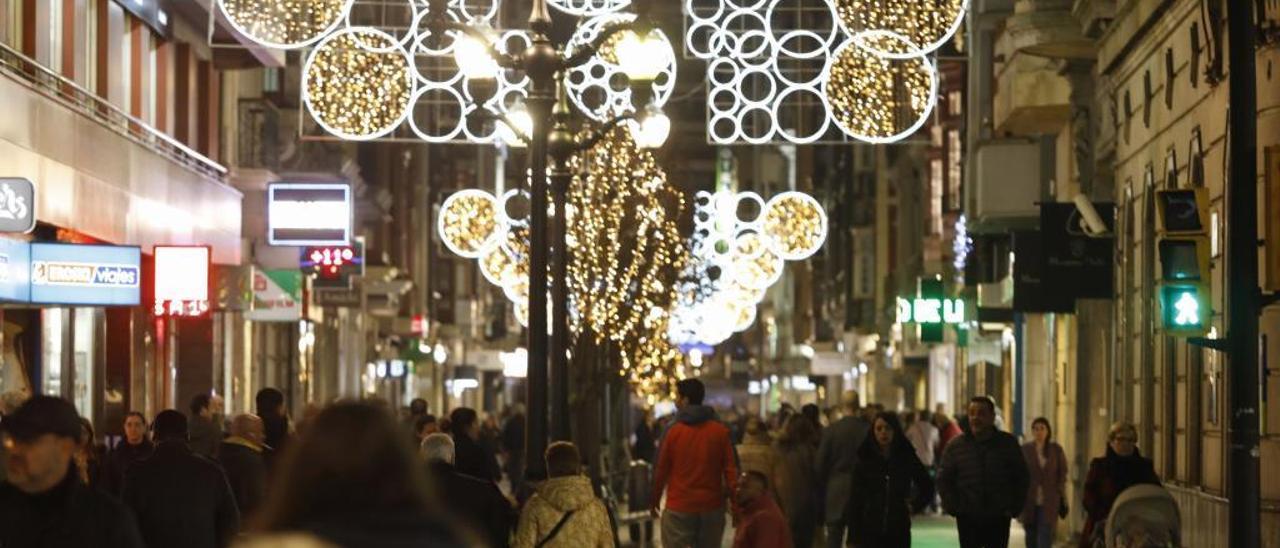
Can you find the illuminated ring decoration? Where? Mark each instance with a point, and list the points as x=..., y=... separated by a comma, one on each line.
x=417, y=16
x=498, y=267
x=254, y=20
x=795, y=225
x=383, y=88
x=588, y=8
x=505, y=215
x=858, y=106
x=902, y=18
x=598, y=73
x=746, y=316
x=749, y=197
x=468, y=223
x=749, y=244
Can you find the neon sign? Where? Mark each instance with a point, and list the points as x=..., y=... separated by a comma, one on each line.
x=931, y=311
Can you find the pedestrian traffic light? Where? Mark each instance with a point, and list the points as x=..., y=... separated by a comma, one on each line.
x=1183, y=245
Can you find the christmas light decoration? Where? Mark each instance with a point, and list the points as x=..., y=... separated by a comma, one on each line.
x=876, y=99
x=589, y=8
x=357, y=84
x=468, y=224
x=929, y=23
x=285, y=24
x=598, y=76
x=769, y=60
x=795, y=224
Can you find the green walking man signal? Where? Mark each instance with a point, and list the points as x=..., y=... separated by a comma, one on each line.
x=1183, y=242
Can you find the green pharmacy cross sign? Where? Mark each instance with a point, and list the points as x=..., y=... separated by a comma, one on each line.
x=929, y=311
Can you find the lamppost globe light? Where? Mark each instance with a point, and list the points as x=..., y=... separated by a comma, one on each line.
x=473, y=59
x=642, y=58
x=652, y=130
x=519, y=117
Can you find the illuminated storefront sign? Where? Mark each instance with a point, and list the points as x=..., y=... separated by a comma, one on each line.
x=15, y=271
x=103, y=275
x=182, y=281
x=17, y=205
x=315, y=214
x=931, y=311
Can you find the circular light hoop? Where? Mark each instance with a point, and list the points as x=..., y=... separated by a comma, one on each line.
x=780, y=43
x=248, y=21
x=342, y=119
x=749, y=244
x=487, y=16
x=795, y=225
x=588, y=8
x=745, y=316
x=760, y=102
x=850, y=94
x=691, y=11
x=750, y=197
x=758, y=273
x=464, y=108
x=903, y=19
x=615, y=102
x=468, y=223
x=823, y=126
x=497, y=266
x=832, y=35
x=504, y=215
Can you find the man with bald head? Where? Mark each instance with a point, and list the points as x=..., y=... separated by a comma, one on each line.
x=241, y=456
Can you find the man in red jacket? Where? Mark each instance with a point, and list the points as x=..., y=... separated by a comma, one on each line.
x=696, y=467
x=760, y=521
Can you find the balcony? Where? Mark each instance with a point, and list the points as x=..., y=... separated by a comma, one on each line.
x=107, y=174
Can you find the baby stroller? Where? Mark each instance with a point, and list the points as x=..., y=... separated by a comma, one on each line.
x=1144, y=516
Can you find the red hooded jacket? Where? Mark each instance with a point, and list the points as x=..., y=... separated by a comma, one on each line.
x=696, y=465
x=762, y=525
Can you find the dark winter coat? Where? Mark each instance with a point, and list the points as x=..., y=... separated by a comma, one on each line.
x=837, y=453
x=880, y=508
x=246, y=471
x=474, y=501
x=984, y=477
x=646, y=445
x=118, y=462
x=473, y=459
x=70, y=514
x=181, y=499
x=1108, y=477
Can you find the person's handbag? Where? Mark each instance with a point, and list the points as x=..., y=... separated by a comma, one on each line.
x=1063, y=509
x=555, y=530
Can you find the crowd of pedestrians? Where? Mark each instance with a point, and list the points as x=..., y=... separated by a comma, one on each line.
x=354, y=474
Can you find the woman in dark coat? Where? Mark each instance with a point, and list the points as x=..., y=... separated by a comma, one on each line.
x=1122, y=468
x=1047, y=465
x=890, y=484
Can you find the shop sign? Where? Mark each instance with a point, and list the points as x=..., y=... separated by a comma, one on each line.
x=103, y=275
x=309, y=214
x=338, y=298
x=17, y=205
x=15, y=271
x=930, y=311
x=181, y=281
x=277, y=296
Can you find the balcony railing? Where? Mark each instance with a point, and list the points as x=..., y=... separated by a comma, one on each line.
x=52, y=85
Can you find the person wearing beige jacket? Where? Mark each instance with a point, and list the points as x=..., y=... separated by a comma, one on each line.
x=564, y=511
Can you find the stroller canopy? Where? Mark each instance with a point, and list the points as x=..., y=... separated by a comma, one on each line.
x=1144, y=516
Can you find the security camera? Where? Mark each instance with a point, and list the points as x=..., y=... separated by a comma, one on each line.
x=1090, y=222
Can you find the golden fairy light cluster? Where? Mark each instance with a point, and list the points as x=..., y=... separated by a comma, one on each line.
x=468, y=225
x=626, y=253
x=357, y=84
x=877, y=98
x=796, y=225
x=284, y=23
x=923, y=23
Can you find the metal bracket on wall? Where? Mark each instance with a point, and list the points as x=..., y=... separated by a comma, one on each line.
x=1215, y=344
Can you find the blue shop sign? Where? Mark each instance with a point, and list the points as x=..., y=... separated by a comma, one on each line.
x=15, y=271
x=94, y=275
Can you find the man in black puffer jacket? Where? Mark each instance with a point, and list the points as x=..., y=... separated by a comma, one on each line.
x=983, y=479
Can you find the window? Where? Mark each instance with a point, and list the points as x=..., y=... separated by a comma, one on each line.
x=1169, y=78
x=955, y=170
x=935, y=197
x=955, y=103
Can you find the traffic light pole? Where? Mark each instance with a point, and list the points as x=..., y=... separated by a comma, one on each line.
x=1243, y=294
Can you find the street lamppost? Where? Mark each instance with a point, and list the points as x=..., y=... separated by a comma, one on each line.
x=545, y=125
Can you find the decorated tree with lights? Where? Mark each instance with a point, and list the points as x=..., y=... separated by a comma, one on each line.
x=626, y=252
